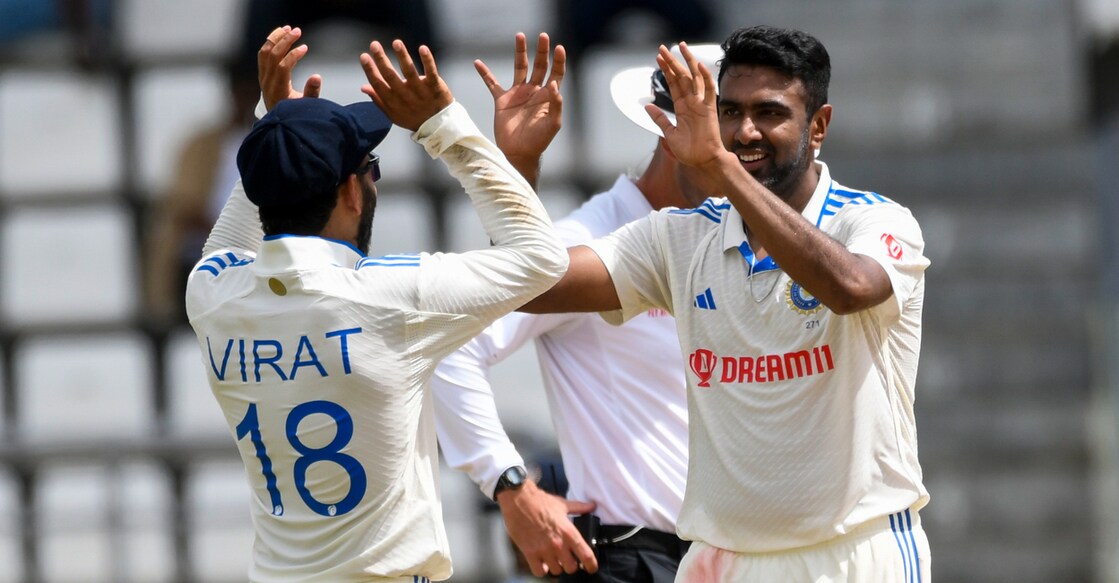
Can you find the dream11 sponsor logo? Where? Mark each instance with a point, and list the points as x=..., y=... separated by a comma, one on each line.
x=763, y=368
x=702, y=362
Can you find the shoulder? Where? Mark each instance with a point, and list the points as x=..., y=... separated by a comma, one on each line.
x=216, y=263
x=711, y=212
x=395, y=261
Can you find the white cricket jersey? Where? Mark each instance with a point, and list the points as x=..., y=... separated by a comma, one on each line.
x=616, y=393
x=802, y=422
x=319, y=359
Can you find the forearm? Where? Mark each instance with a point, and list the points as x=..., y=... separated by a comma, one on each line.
x=471, y=435
x=841, y=280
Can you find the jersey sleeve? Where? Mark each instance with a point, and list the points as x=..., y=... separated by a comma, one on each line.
x=636, y=262
x=238, y=225
x=891, y=236
x=526, y=258
x=470, y=431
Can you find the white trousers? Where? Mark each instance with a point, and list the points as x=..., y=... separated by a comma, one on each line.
x=893, y=549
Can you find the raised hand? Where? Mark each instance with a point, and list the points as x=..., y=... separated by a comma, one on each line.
x=694, y=140
x=407, y=97
x=528, y=115
x=275, y=61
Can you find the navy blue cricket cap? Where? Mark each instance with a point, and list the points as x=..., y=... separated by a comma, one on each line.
x=307, y=147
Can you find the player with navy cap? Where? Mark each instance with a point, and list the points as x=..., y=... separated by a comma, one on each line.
x=319, y=355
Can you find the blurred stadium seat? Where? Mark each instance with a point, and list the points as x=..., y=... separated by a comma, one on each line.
x=79, y=388
x=155, y=30
x=193, y=412
x=104, y=523
x=11, y=552
x=61, y=135
x=170, y=105
x=217, y=499
x=72, y=266
x=612, y=143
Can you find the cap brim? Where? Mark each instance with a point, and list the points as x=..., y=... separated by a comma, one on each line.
x=631, y=90
x=373, y=124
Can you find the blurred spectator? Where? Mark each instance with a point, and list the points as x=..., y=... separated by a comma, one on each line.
x=203, y=177
x=1104, y=69
x=410, y=21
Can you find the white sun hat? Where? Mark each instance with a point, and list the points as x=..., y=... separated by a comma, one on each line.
x=633, y=88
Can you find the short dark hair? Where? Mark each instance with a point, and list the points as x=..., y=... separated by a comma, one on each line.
x=792, y=52
x=308, y=217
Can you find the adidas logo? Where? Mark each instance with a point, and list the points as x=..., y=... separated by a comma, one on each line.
x=705, y=301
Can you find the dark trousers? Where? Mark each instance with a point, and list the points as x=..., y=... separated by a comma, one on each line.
x=647, y=556
x=624, y=565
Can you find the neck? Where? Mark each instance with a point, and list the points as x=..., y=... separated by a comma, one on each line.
x=659, y=182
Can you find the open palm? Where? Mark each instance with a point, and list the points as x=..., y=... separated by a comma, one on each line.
x=528, y=115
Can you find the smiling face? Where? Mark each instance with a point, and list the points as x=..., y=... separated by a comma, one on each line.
x=764, y=120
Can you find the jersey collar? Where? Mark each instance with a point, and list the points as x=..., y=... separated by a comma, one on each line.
x=279, y=253
x=734, y=232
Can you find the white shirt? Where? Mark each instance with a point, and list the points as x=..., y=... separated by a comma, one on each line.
x=319, y=360
x=617, y=394
x=802, y=422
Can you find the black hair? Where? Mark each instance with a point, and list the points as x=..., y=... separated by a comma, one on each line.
x=792, y=52
x=308, y=217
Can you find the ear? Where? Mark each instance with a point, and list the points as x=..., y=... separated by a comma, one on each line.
x=349, y=195
x=819, y=126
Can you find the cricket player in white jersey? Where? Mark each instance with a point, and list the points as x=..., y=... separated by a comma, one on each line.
x=617, y=393
x=798, y=307
x=318, y=355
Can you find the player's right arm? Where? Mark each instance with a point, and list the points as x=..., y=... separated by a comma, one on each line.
x=527, y=257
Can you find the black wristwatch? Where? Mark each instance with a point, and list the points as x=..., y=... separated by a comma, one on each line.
x=512, y=479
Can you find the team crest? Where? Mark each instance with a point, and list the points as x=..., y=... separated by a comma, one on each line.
x=800, y=300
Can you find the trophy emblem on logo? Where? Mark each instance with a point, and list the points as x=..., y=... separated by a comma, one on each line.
x=702, y=362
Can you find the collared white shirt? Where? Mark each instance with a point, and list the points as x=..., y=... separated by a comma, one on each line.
x=319, y=359
x=802, y=423
x=616, y=394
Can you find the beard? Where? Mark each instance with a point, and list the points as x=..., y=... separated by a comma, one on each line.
x=365, y=223
x=783, y=177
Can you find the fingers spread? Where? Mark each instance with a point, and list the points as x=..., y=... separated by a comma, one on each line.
x=489, y=79
x=559, y=65
x=431, y=73
x=540, y=62
x=407, y=67
x=520, y=59
x=379, y=69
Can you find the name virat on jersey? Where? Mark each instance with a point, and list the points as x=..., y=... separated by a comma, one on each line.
x=260, y=358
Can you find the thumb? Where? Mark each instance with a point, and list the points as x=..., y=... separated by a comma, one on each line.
x=659, y=118
x=313, y=87
x=579, y=507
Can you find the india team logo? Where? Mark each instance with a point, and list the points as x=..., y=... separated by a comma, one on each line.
x=800, y=300
x=702, y=362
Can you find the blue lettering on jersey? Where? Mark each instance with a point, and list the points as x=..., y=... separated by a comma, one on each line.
x=268, y=356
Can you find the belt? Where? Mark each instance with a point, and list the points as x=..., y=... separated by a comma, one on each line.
x=633, y=537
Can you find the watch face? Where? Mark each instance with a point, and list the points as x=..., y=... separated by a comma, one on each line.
x=512, y=479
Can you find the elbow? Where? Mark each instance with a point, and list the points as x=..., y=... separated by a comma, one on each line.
x=855, y=298
x=555, y=261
